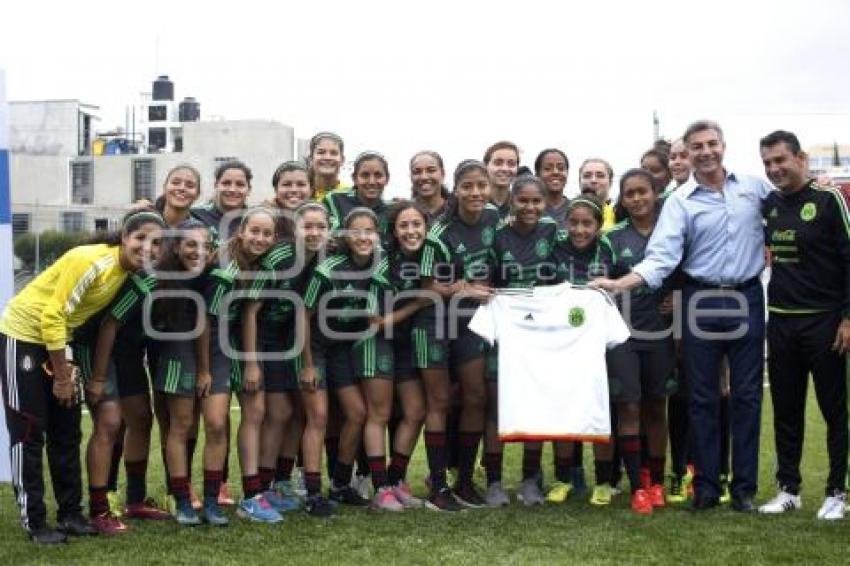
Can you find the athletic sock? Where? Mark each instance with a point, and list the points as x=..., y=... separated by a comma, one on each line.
x=342, y=475
x=136, y=486
x=331, y=450
x=362, y=462
x=468, y=450
x=98, y=503
x=378, y=470
x=656, y=470
x=630, y=452
x=578, y=454
x=180, y=489
x=397, y=471
x=602, y=471
x=563, y=469
x=531, y=462
x=251, y=486
x=435, y=448
x=453, y=438
x=313, y=483
x=266, y=477
x=190, y=455
x=493, y=466
x=115, y=466
x=283, y=470
x=212, y=485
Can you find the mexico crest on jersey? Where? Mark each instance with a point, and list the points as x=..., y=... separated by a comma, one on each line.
x=576, y=316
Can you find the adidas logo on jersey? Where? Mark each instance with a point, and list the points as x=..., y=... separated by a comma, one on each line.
x=460, y=248
x=507, y=256
x=529, y=317
x=627, y=253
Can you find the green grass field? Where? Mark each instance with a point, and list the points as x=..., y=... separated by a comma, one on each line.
x=573, y=533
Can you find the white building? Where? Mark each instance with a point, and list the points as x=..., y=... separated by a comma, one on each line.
x=58, y=184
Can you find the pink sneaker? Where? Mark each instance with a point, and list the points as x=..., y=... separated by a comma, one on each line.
x=384, y=500
x=404, y=496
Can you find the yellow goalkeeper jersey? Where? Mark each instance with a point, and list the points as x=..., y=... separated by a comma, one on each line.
x=78, y=285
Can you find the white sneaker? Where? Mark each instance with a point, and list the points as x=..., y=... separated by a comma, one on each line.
x=496, y=496
x=362, y=485
x=832, y=508
x=783, y=502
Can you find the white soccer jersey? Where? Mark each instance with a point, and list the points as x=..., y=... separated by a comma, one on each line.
x=553, y=382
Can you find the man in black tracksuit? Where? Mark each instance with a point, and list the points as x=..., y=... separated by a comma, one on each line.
x=808, y=234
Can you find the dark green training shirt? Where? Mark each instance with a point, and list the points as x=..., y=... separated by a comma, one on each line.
x=808, y=234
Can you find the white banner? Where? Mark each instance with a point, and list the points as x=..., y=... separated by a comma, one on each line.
x=7, y=278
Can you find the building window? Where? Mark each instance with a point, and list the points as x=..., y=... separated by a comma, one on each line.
x=157, y=113
x=101, y=224
x=82, y=182
x=72, y=221
x=144, y=174
x=20, y=223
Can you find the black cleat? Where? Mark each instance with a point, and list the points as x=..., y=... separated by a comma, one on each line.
x=47, y=536
x=76, y=526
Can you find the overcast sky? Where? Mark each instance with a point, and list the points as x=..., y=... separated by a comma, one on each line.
x=455, y=76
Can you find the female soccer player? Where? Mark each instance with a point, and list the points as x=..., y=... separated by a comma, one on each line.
x=117, y=392
x=580, y=256
x=181, y=189
x=40, y=391
x=287, y=268
x=183, y=372
x=312, y=226
x=658, y=164
x=641, y=372
x=502, y=162
x=595, y=178
x=456, y=266
x=680, y=167
x=427, y=178
x=235, y=262
x=522, y=257
x=371, y=175
x=327, y=154
x=223, y=213
x=291, y=183
x=553, y=167
x=338, y=292
x=388, y=358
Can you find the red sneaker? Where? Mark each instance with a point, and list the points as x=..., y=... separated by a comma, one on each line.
x=147, y=510
x=224, y=497
x=107, y=524
x=641, y=503
x=645, y=478
x=656, y=495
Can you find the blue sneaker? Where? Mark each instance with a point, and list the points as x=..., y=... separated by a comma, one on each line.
x=280, y=502
x=258, y=509
x=213, y=514
x=186, y=515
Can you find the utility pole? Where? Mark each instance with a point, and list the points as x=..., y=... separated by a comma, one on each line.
x=655, y=126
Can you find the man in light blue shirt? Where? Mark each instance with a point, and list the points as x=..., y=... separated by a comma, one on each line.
x=712, y=226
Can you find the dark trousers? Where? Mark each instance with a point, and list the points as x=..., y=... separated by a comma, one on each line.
x=735, y=329
x=32, y=413
x=799, y=345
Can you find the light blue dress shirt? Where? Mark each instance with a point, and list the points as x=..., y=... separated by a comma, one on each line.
x=720, y=234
